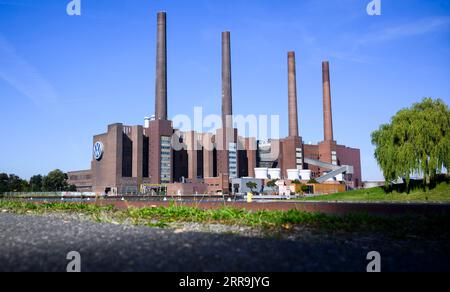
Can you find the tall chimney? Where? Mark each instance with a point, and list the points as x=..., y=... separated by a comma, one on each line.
x=227, y=102
x=293, y=110
x=327, y=111
x=161, y=69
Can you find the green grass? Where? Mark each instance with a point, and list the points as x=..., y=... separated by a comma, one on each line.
x=441, y=194
x=271, y=220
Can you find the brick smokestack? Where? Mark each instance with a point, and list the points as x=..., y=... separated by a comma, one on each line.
x=161, y=69
x=327, y=111
x=293, y=110
x=227, y=101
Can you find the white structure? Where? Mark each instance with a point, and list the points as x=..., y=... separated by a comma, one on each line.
x=147, y=122
x=293, y=174
x=373, y=184
x=339, y=178
x=268, y=173
x=262, y=173
x=240, y=185
x=283, y=190
x=336, y=173
x=305, y=175
x=274, y=173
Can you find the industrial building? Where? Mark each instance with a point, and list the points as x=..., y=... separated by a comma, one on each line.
x=143, y=159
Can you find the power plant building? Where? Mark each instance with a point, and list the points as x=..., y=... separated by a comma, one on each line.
x=154, y=156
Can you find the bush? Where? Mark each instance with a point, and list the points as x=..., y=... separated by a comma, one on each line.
x=301, y=189
x=272, y=183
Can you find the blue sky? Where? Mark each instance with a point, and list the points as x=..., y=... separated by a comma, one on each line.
x=64, y=79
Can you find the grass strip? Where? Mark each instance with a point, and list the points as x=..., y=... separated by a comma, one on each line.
x=439, y=194
x=163, y=216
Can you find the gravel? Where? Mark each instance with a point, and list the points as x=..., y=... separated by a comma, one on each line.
x=41, y=243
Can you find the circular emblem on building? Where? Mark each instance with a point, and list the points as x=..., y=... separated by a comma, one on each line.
x=98, y=151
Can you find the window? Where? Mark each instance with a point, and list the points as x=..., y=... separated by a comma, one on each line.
x=166, y=163
x=232, y=160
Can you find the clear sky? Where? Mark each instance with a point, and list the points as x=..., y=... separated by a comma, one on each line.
x=63, y=79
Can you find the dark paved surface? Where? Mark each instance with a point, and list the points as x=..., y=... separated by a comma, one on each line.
x=33, y=243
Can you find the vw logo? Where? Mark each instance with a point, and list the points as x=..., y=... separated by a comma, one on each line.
x=98, y=151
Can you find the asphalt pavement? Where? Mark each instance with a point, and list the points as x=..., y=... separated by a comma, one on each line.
x=41, y=244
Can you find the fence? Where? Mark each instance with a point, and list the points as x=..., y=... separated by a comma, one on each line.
x=46, y=194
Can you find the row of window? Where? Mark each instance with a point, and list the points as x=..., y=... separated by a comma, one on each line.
x=232, y=160
x=334, y=158
x=299, y=156
x=165, y=165
x=80, y=177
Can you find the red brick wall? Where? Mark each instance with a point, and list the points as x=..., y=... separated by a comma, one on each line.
x=157, y=129
x=288, y=157
x=351, y=156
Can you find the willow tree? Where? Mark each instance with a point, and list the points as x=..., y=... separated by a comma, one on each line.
x=416, y=141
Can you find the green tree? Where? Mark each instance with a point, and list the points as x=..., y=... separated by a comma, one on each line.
x=14, y=183
x=251, y=185
x=55, y=181
x=305, y=188
x=36, y=183
x=272, y=183
x=72, y=188
x=4, y=183
x=416, y=141
x=25, y=186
